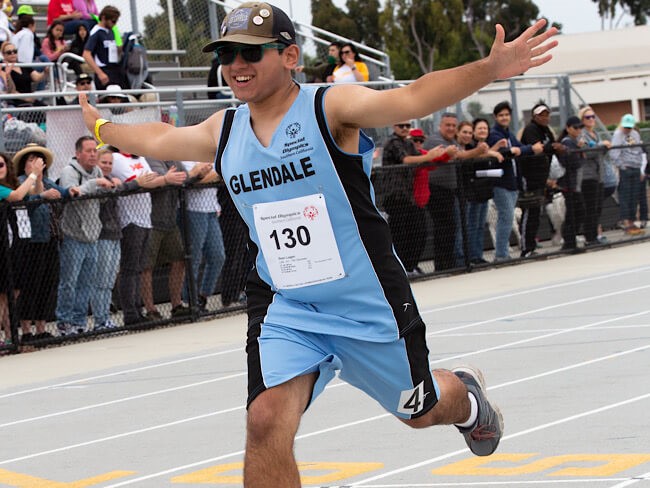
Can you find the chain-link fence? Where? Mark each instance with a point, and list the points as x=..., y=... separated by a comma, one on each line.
x=77, y=267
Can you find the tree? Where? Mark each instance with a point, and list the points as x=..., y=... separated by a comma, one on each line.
x=365, y=14
x=420, y=35
x=481, y=17
x=638, y=9
x=328, y=16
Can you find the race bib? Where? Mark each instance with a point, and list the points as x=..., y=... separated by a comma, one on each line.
x=297, y=241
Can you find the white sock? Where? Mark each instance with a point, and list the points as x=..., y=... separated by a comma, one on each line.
x=473, y=414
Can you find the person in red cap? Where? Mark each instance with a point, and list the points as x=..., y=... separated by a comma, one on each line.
x=327, y=292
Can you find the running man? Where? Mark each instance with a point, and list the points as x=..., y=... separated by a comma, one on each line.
x=327, y=292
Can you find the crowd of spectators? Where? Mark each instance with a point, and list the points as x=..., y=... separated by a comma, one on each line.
x=520, y=178
x=109, y=221
x=73, y=26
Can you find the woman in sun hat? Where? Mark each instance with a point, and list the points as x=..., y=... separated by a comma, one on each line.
x=37, y=253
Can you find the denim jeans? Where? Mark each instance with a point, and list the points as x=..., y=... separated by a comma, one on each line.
x=628, y=192
x=206, y=245
x=476, y=215
x=108, y=264
x=505, y=201
x=77, y=273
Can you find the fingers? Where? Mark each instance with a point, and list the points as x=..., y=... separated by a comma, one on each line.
x=500, y=36
x=83, y=100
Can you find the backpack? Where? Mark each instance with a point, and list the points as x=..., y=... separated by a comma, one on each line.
x=134, y=60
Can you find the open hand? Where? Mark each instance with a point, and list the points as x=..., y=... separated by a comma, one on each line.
x=519, y=55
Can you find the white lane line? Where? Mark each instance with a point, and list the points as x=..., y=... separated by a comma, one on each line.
x=240, y=453
x=471, y=353
x=463, y=355
x=384, y=475
x=124, y=434
x=492, y=483
x=450, y=307
x=303, y=436
x=538, y=289
x=122, y=372
x=541, y=309
x=120, y=400
x=537, y=338
x=506, y=438
x=634, y=480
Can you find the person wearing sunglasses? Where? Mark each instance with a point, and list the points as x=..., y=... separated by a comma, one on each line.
x=350, y=69
x=327, y=291
x=572, y=158
x=595, y=172
x=405, y=218
x=22, y=77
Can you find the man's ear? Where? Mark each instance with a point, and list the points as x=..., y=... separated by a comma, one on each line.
x=291, y=56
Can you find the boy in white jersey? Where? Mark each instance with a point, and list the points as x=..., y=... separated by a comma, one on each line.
x=288, y=191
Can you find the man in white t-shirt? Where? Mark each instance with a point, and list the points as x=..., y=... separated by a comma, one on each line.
x=205, y=238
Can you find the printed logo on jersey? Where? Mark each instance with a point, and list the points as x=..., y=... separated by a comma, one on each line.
x=310, y=213
x=412, y=401
x=293, y=130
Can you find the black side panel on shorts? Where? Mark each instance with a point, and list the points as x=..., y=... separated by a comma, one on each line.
x=418, y=355
x=373, y=229
x=259, y=296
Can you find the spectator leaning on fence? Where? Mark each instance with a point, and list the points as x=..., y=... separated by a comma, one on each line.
x=165, y=243
x=205, y=238
x=627, y=155
x=81, y=227
x=535, y=170
x=506, y=188
x=11, y=191
x=405, y=218
x=37, y=254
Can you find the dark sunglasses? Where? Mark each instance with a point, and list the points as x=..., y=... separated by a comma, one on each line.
x=11, y=51
x=418, y=139
x=403, y=126
x=2, y=164
x=347, y=51
x=84, y=82
x=589, y=117
x=251, y=54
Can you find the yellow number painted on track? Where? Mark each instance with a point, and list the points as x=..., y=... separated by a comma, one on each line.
x=575, y=465
x=327, y=473
x=19, y=480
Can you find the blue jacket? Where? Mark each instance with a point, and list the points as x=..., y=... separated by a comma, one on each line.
x=40, y=215
x=511, y=179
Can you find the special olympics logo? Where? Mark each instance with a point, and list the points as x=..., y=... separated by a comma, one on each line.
x=310, y=212
x=293, y=130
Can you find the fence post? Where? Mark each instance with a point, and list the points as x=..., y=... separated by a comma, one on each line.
x=185, y=234
x=134, y=16
x=515, y=109
x=181, y=109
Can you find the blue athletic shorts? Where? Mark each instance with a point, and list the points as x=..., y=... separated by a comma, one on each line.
x=396, y=374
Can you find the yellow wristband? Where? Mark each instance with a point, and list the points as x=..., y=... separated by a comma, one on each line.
x=98, y=124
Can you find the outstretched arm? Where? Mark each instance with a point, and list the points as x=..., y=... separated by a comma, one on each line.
x=156, y=139
x=439, y=89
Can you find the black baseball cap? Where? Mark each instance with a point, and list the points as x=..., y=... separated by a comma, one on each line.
x=255, y=23
x=574, y=121
x=83, y=77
